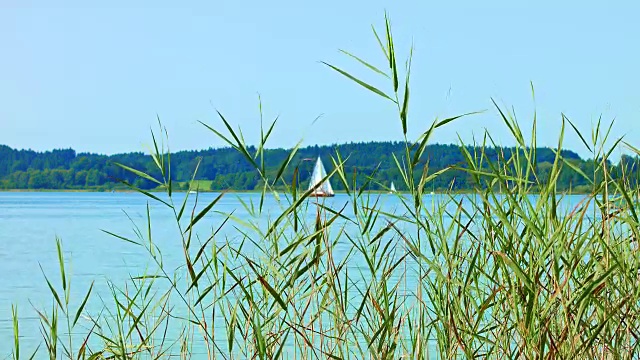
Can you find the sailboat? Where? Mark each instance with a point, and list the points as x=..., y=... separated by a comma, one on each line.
x=392, y=189
x=324, y=189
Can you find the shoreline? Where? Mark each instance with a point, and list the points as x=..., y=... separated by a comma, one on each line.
x=236, y=191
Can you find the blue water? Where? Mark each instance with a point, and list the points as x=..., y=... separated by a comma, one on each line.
x=30, y=223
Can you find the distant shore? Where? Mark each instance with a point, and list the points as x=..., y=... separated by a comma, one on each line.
x=460, y=192
x=68, y=191
x=184, y=191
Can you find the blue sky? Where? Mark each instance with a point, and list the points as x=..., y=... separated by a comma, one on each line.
x=93, y=77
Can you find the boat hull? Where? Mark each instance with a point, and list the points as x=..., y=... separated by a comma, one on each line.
x=322, y=195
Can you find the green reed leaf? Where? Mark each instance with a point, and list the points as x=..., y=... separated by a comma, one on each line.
x=84, y=303
x=360, y=82
x=366, y=64
x=203, y=212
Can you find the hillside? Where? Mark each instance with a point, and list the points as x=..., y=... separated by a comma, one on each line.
x=227, y=169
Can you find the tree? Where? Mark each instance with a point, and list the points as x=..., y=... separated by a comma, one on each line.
x=228, y=169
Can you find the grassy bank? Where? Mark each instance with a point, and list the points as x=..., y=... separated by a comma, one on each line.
x=494, y=274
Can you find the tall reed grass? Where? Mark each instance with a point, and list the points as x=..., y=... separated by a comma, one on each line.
x=510, y=271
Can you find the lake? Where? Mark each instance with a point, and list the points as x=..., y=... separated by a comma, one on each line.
x=30, y=223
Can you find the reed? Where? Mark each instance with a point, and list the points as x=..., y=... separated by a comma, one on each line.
x=513, y=270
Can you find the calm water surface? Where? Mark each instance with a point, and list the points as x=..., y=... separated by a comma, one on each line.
x=30, y=222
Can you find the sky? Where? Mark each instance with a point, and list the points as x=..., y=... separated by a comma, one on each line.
x=94, y=76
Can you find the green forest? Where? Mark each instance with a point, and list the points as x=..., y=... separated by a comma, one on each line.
x=227, y=169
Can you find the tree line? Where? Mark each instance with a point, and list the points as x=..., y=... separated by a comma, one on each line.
x=229, y=170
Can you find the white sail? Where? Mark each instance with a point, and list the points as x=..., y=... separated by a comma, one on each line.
x=316, y=177
x=393, y=188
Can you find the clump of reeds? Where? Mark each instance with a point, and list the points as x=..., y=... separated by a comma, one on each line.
x=514, y=270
